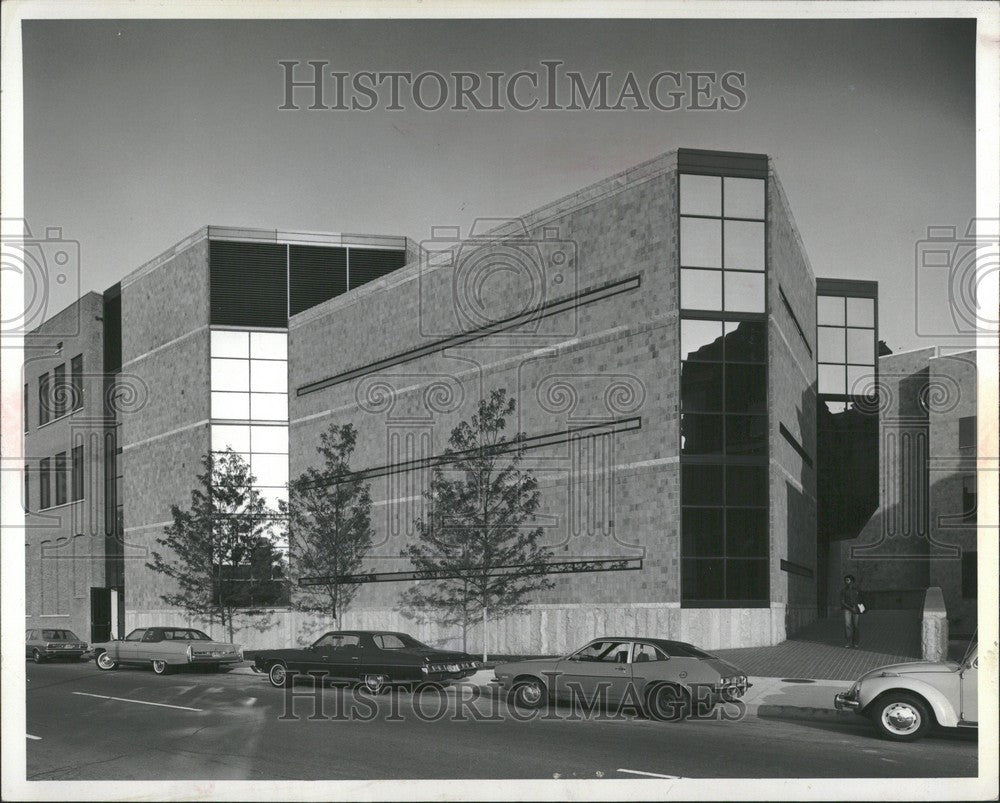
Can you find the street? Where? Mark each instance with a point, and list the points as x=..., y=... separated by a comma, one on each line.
x=132, y=724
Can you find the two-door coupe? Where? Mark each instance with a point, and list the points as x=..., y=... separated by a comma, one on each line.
x=165, y=649
x=41, y=644
x=376, y=659
x=668, y=679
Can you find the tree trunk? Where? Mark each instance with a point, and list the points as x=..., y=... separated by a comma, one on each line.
x=485, y=634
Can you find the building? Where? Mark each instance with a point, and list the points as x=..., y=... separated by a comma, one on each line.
x=661, y=331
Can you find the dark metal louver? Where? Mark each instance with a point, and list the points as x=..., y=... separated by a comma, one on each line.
x=249, y=283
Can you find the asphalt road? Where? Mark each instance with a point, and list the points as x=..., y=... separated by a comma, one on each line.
x=230, y=727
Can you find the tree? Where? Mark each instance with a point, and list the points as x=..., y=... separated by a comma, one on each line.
x=329, y=520
x=480, y=508
x=222, y=556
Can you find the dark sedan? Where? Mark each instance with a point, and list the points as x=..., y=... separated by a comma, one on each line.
x=375, y=659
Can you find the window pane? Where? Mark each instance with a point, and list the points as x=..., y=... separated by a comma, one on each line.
x=230, y=344
x=230, y=374
x=746, y=435
x=830, y=310
x=269, y=406
x=701, y=340
x=744, y=292
x=701, y=434
x=832, y=379
x=830, y=341
x=861, y=312
x=269, y=469
x=703, y=579
x=271, y=497
x=702, y=532
x=744, y=245
x=701, y=387
x=230, y=436
x=701, y=289
x=701, y=195
x=701, y=243
x=746, y=580
x=746, y=341
x=745, y=197
x=269, y=376
x=746, y=485
x=701, y=485
x=860, y=380
x=746, y=389
x=746, y=532
x=231, y=405
x=861, y=346
x=270, y=439
x=269, y=345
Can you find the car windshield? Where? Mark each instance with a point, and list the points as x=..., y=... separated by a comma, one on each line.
x=59, y=635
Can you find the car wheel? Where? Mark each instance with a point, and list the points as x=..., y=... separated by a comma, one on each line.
x=161, y=667
x=106, y=662
x=374, y=684
x=279, y=676
x=529, y=693
x=667, y=702
x=901, y=717
x=37, y=657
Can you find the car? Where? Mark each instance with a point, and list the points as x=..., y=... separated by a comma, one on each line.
x=376, y=660
x=903, y=701
x=667, y=679
x=56, y=643
x=165, y=649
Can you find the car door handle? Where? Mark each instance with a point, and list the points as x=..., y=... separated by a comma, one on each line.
x=622, y=668
x=354, y=658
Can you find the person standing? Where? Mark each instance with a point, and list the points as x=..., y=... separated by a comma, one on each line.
x=853, y=607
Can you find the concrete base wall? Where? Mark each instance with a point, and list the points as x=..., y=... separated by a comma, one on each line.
x=541, y=630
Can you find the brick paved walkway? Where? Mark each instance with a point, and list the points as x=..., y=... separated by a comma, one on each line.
x=817, y=651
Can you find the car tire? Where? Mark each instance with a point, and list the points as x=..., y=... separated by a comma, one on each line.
x=105, y=662
x=161, y=667
x=37, y=657
x=529, y=692
x=901, y=717
x=374, y=684
x=667, y=702
x=278, y=675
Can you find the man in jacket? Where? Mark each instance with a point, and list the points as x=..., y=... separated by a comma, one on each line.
x=852, y=606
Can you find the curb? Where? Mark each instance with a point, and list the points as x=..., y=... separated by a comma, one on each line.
x=770, y=711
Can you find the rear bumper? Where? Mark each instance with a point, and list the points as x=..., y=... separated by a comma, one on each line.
x=63, y=653
x=845, y=702
x=201, y=660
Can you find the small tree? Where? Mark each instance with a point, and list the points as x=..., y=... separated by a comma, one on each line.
x=478, y=521
x=222, y=557
x=329, y=519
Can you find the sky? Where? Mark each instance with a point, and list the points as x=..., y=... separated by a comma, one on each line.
x=137, y=133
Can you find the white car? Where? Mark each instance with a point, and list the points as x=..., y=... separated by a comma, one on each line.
x=904, y=700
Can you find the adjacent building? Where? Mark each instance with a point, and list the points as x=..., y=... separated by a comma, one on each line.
x=688, y=390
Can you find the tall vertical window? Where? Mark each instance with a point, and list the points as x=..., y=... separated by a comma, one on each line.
x=722, y=238
x=970, y=575
x=723, y=391
x=24, y=407
x=77, y=474
x=967, y=435
x=59, y=391
x=44, y=483
x=27, y=487
x=61, y=478
x=76, y=382
x=846, y=347
x=250, y=409
x=969, y=499
x=44, y=411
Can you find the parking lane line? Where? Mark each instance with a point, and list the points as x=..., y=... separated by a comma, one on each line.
x=140, y=702
x=36, y=738
x=650, y=774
